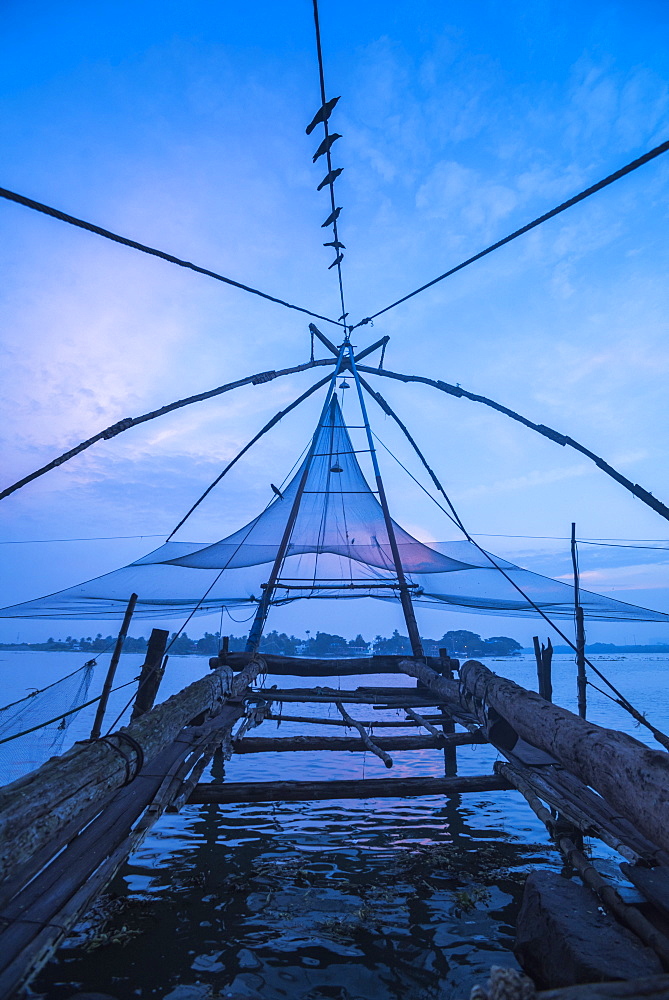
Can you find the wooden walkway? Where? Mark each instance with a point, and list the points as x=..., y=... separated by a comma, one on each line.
x=71, y=824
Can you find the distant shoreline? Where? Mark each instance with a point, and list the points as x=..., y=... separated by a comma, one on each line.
x=609, y=647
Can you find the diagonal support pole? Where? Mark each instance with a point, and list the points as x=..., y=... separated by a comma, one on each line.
x=405, y=596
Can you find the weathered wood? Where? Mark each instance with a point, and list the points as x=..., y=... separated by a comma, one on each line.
x=563, y=938
x=447, y=724
x=306, y=666
x=34, y=808
x=399, y=699
x=151, y=673
x=293, y=744
x=630, y=776
x=628, y=916
x=376, y=723
x=648, y=988
x=420, y=721
x=364, y=736
x=652, y=882
x=111, y=671
x=367, y=788
x=544, y=657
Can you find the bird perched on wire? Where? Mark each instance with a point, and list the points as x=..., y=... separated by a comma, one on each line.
x=321, y=115
x=338, y=260
x=332, y=217
x=326, y=145
x=329, y=178
x=277, y=491
x=337, y=246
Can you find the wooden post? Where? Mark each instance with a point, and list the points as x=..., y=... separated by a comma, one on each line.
x=580, y=630
x=113, y=664
x=151, y=674
x=544, y=658
x=448, y=726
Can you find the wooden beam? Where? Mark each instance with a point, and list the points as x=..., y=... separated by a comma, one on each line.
x=375, y=723
x=293, y=744
x=309, y=666
x=370, y=696
x=368, y=788
x=648, y=988
x=151, y=673
x=631, y=777
x=364, y=736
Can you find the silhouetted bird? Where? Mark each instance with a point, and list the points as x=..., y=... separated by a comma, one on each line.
x=321, y=115
x=277, y=491
x=337, y=245
x=338, y=260
x=326, y=145
x=329, y=178
x=332, y=217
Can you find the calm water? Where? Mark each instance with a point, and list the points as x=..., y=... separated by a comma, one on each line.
x=334, y=900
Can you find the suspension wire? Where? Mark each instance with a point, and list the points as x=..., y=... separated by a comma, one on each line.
x=416, y=481
x=620, y=698
x=563, y=439
x=338, y=255
x=627, y=169
x=123, y=425
x=57, y=214
x=275, y=419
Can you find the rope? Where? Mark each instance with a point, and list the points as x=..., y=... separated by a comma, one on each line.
x=634, y=165
x=505, y=984
x=57, y=214
x=123, y=425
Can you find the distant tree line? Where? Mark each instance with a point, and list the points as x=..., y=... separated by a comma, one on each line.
x=322, y=644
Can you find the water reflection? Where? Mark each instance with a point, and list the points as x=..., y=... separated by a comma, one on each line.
x=382, y=899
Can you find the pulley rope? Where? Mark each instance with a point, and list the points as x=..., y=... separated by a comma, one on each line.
x=99, y=231
x=627, y=169
x=621, y=699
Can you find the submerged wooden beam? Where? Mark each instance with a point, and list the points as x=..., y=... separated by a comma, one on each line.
x=367, y=788
x=292, y=744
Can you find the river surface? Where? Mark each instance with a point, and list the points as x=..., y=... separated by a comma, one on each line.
x=376, y=899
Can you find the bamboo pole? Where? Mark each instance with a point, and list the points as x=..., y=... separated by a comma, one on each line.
x=581, y=680
x=111, y=672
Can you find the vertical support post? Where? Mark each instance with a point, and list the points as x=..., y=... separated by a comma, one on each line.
x=405, y=596
x=255, y=634
x=151, y=674
x=544, y=658
x=581, y=680
x=113, y=664
x=447, y=725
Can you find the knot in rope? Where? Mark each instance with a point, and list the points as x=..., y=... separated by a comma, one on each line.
x=505, y=984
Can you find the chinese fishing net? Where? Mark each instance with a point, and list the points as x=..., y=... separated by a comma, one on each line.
x=338, y=548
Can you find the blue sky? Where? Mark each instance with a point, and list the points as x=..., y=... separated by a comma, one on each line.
x=183, y=127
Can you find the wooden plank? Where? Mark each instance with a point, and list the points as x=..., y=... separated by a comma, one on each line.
x=633, y=778
x=648, y=988
x=652, y=882
x=293, y=744
x=34, y=808
x=323, y=695
x=369, y=788
x=375, y=723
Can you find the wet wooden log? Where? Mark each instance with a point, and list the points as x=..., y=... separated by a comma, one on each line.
x=306, y=666
x=319, y=721
x=292, y=744
x=630, y=776
x=34, y=808
x=367, y=788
